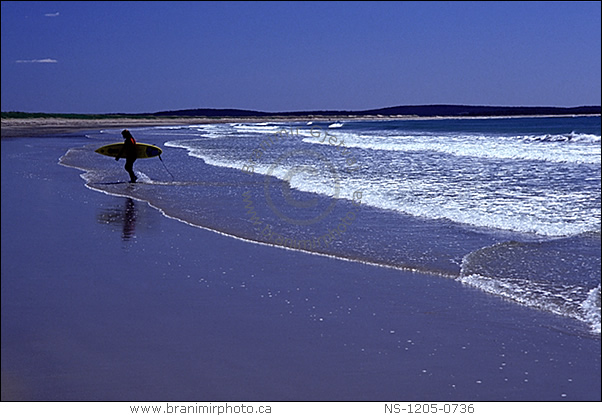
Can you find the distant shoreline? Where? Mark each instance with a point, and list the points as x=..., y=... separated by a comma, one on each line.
x=40, y=126
x=35, y=127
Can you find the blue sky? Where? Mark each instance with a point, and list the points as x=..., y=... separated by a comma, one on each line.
x=105, y=57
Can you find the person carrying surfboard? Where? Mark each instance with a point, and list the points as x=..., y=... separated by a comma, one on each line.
x=129, y=152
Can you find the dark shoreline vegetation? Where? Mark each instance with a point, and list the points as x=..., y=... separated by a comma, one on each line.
x=405, y=111
x=37, y=115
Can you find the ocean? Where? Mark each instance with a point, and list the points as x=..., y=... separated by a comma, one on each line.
x=507, y=206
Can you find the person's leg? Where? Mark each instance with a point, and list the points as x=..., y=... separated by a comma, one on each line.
x=129, y=167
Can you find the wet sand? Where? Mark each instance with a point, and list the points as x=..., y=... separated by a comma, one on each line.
x=106, y=299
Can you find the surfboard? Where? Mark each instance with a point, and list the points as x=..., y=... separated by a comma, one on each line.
x=144, y=151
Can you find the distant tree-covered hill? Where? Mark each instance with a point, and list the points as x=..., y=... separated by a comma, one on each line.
x=405, y=110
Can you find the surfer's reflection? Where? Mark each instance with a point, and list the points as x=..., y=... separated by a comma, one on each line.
x=125, y=217
x=129, y=220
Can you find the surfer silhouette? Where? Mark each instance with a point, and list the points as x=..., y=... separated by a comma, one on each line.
x=129, y=152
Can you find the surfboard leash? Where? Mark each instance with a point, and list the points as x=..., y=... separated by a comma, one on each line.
x=172, y=178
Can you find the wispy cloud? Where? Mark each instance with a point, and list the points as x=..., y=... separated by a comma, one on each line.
x=52, y=14
x=47, y=60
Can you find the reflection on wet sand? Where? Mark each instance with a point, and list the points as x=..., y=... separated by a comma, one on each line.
x=125, y=217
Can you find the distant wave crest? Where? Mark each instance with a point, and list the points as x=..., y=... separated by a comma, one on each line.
x=532, y=147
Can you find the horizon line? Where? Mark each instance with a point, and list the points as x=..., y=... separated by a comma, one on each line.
x=373, y=111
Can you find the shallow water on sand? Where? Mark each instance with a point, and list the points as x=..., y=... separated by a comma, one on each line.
x=508, y=206
x=105, y=299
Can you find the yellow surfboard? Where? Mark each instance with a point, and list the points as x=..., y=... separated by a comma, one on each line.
x=143, y=151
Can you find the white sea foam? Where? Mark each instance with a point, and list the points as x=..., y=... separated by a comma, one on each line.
x=591, y=310
x=464, y=200
x=573, y=136
x=260, y=128
x=496, y=147
x=461, y=177
x=563, y=300
x=513, y=212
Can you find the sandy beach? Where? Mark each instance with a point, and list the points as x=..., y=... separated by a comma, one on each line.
x=106, y=299
x=35, y=127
